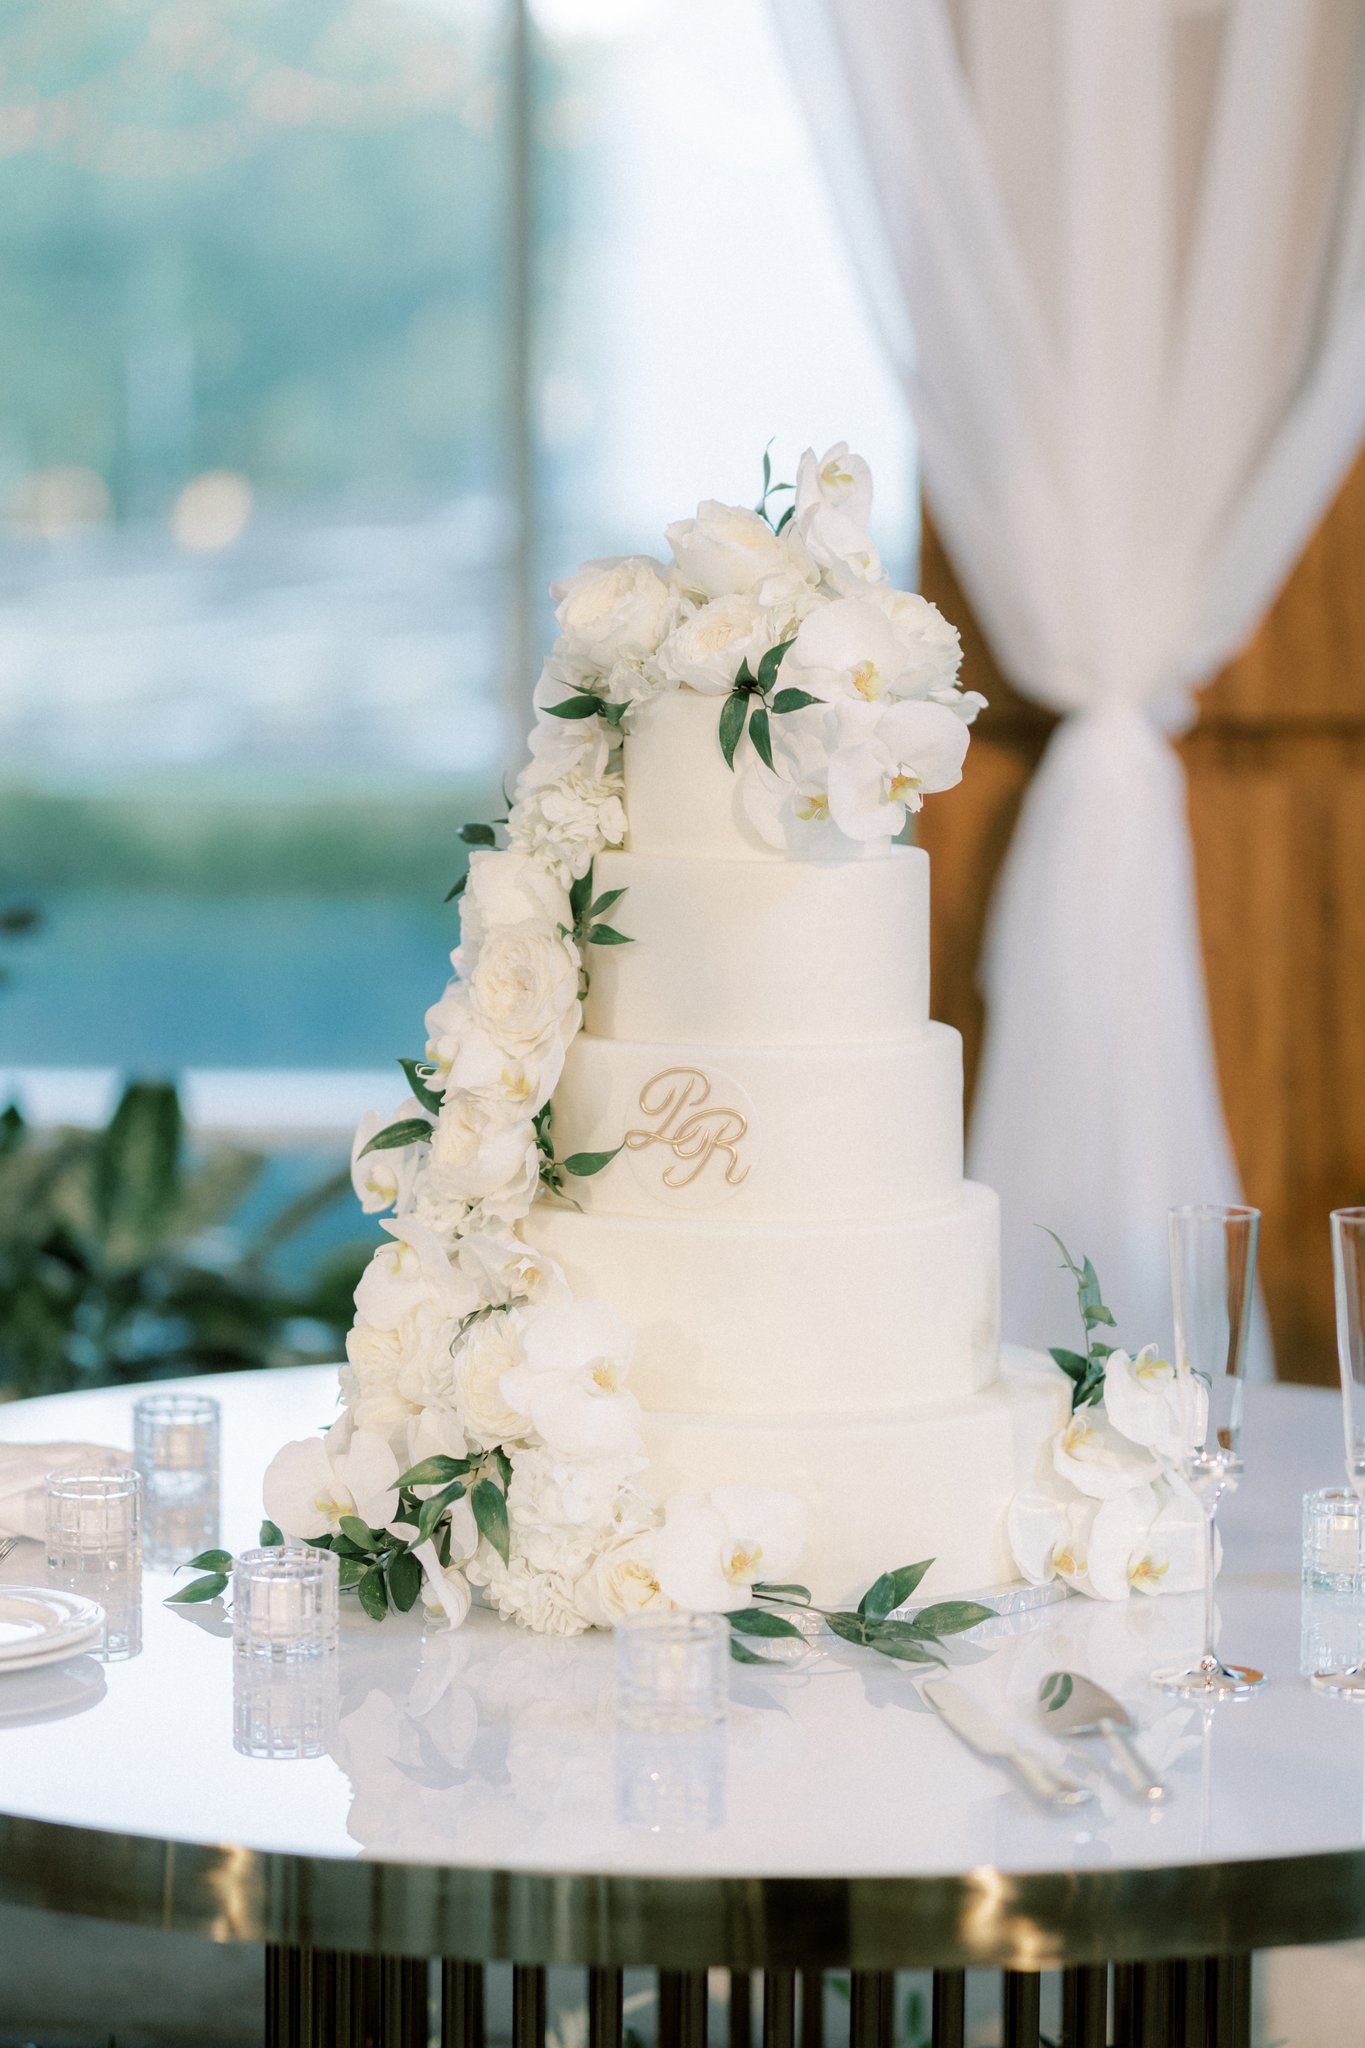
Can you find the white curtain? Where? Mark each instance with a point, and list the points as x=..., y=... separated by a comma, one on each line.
x=1129, y=239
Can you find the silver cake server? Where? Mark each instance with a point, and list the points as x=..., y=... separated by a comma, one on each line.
x=1074, y=1705
x=979, y=1728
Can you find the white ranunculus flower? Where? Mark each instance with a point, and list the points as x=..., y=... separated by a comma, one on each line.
x=727, y=549
x=887, y=762
x=572, y=1384
x=612, y=611
x=1091, y=1456
x=837, y=481
x=385, y=1179
x=714, y=1547
x=707, y=649
x=523, y=989
x=309, y=1485
x=510, y=888
x=502, y=1268
x=488, y=1351
x=1153, y=1405
x=622, y=1580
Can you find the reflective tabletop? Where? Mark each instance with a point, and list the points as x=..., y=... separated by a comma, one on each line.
x=474, y=1795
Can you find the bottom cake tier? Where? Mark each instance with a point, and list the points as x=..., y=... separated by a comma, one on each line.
x=886, y=1490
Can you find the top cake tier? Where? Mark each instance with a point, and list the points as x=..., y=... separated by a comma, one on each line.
x=681, y=798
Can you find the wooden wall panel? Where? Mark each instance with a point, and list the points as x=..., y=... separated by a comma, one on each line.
x=1277, y=808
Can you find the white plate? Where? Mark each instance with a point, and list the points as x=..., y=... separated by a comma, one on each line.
x=40, y=1623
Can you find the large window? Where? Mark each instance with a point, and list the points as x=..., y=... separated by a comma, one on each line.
x=329, y=332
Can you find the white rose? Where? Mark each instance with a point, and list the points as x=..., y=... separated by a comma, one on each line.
x=726, y=549
x=572, y=1384
x=309, y=1485
x=1153, y=1405
x=931, y=647
x=411, y=1272
x=505, y=889
x=475, y=1153
x=713, y=1548
x=369, y=1379
x=443, y=1203
x=622, y=1580
x=709, y=647
x=385, y=1179
x=616, y=610
x=524, y=987
x=486, y=1353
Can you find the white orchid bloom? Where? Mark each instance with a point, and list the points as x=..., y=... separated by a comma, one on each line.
x=475, y=1152
x=433, y=1432
x=848, y=650
x=886, y=763
x=931, y=647
x=506, y=1084
x=445, y=1589
x=412, y=1272
x=837, y=481
x=388, y=1177
x=1171, y=1556
x=1153, y=1405
x=1092, y=1544
x=572, y=1383
x=502, y=1268
x=1091, y=1455
x=788, y=804
x=310, y=1484
x=713, y=1548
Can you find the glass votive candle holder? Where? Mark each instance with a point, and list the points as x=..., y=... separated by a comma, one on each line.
x=1334, y=1541
x=284, y=1713
x=672, y=1671
x=285, y=1602
x=175, y=1441
x=93, y=1518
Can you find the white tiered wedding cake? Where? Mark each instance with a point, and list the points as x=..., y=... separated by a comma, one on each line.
x=814, y=1288
x=683, y=1293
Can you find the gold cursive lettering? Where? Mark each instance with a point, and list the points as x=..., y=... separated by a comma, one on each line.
x=694, y=1129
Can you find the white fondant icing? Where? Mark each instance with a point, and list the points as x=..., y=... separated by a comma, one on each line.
x=682, y=799
x=884, y=1490
x=832, y=1132
x=794, y=1319
x=736, y=952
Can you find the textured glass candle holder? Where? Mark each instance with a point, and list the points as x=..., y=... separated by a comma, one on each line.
x=1333, y=1541
x=672, y=1671
x=1332, y=1631
x=175, y=1442
x=94, y=1518
x=283, y=1713
x=285, y=1603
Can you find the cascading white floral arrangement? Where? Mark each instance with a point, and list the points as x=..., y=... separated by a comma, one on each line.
x=1113, y=1515
x=489, y=1438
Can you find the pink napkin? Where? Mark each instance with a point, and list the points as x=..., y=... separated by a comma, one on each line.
x=24, y=1467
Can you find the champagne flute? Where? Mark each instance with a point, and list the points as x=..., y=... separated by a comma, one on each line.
x=1348, y=1277
x=1213, y=1281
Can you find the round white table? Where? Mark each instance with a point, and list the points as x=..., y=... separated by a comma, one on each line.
x=476, y=1801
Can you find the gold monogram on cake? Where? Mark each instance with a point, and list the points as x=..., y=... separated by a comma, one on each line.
x=692, y=1127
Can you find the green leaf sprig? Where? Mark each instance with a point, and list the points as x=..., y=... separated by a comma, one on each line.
x=754, y=694
x=870, y=1625
x=582, y=1165
x=772, y=490
x=1085, y=1369
x=379, y=1565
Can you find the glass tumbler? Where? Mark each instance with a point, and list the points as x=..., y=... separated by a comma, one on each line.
x=175, y=1442
x=285, y=1603
x=672, y=1671
x=94, y=1518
